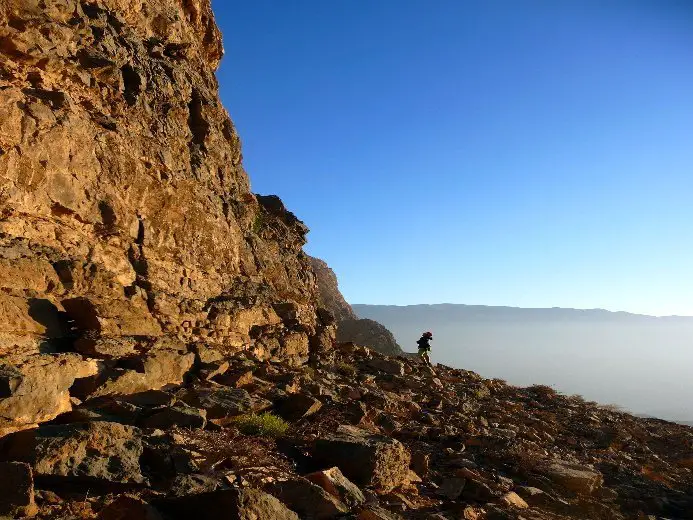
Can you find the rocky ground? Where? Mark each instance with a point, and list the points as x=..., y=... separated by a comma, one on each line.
x=356, y=435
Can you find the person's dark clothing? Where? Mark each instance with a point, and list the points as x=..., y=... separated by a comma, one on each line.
x=423, y=343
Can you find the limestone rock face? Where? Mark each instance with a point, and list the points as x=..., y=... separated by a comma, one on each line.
x=125, y=211
x=330, y=296
x=350, y=328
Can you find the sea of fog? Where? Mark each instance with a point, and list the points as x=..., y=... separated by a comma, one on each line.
x=644, y=367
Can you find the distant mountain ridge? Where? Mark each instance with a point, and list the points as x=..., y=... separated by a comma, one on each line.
x=446, y=312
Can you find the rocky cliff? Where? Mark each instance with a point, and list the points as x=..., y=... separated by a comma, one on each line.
x=349, y=326
x=127, y=227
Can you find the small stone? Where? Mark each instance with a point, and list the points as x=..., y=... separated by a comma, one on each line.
x=452, y=487
x=513, y=499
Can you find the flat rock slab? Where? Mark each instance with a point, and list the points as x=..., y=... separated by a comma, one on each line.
x=297, y=406
x=380, y=462
x=95, y=451
x=334, y=482
x=220, y=402
x=35, y=389
x=574, y=477
x=180, y=414
x=227, y=504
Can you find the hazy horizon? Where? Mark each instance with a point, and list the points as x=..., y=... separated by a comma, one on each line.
x=641, y=363
x=501, y=306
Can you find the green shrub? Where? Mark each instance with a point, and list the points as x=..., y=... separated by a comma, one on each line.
x=346, y=369
x=259, y=223
x=263, y=425
x=543, y=391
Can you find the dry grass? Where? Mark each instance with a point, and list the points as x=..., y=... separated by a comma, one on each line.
x=230, y=449
x=346, y=369
x=544, y=391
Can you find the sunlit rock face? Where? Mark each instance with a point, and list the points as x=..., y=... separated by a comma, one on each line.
x=125, y=211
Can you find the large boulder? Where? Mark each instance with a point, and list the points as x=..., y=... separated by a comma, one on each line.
x=35, y=389
x=574, y=477
x=369, y=460
x=334, y=482
x=307, y=499
x=101, y=452
x=163, y=365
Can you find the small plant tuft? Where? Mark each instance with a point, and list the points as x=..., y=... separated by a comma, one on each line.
x=346, y=369
x=543, y=391
x=262, y=425
x=259, y=223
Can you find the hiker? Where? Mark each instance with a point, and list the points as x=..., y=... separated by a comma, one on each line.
x=425, y=346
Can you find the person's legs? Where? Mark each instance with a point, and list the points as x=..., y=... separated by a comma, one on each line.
x=425, y=357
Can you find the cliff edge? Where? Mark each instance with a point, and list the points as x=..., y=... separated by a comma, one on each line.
x=350, y=327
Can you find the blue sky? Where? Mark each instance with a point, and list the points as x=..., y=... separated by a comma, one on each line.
x=532, y=153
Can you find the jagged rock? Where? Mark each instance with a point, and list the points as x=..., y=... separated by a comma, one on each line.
x=297, y=406
x=106, y=348
x=192, y=485
x=332, y=481
x=452, y=487
x=374, y=512
x=375, y=461
x=307, y=499
x=103, y=409
x=575, y=477
x=235, y=379
x=180, y=415
x=96, y=451
x=387, y=365
x=330, y=296
x=36, y=388
x=157, y=368
x=17, y=485
x=234, y=504
x=150, y=398
x=513, y=499
x=220, y=402
x=128, y=507
x=533, y=496
x=420, y=463
x=349, y=327
x=370, y=333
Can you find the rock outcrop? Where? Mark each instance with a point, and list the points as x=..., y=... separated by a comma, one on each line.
x=126, y=218
x=364, y=331
x=349, y=326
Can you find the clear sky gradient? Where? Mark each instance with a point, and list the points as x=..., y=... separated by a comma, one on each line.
x=524, y=153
